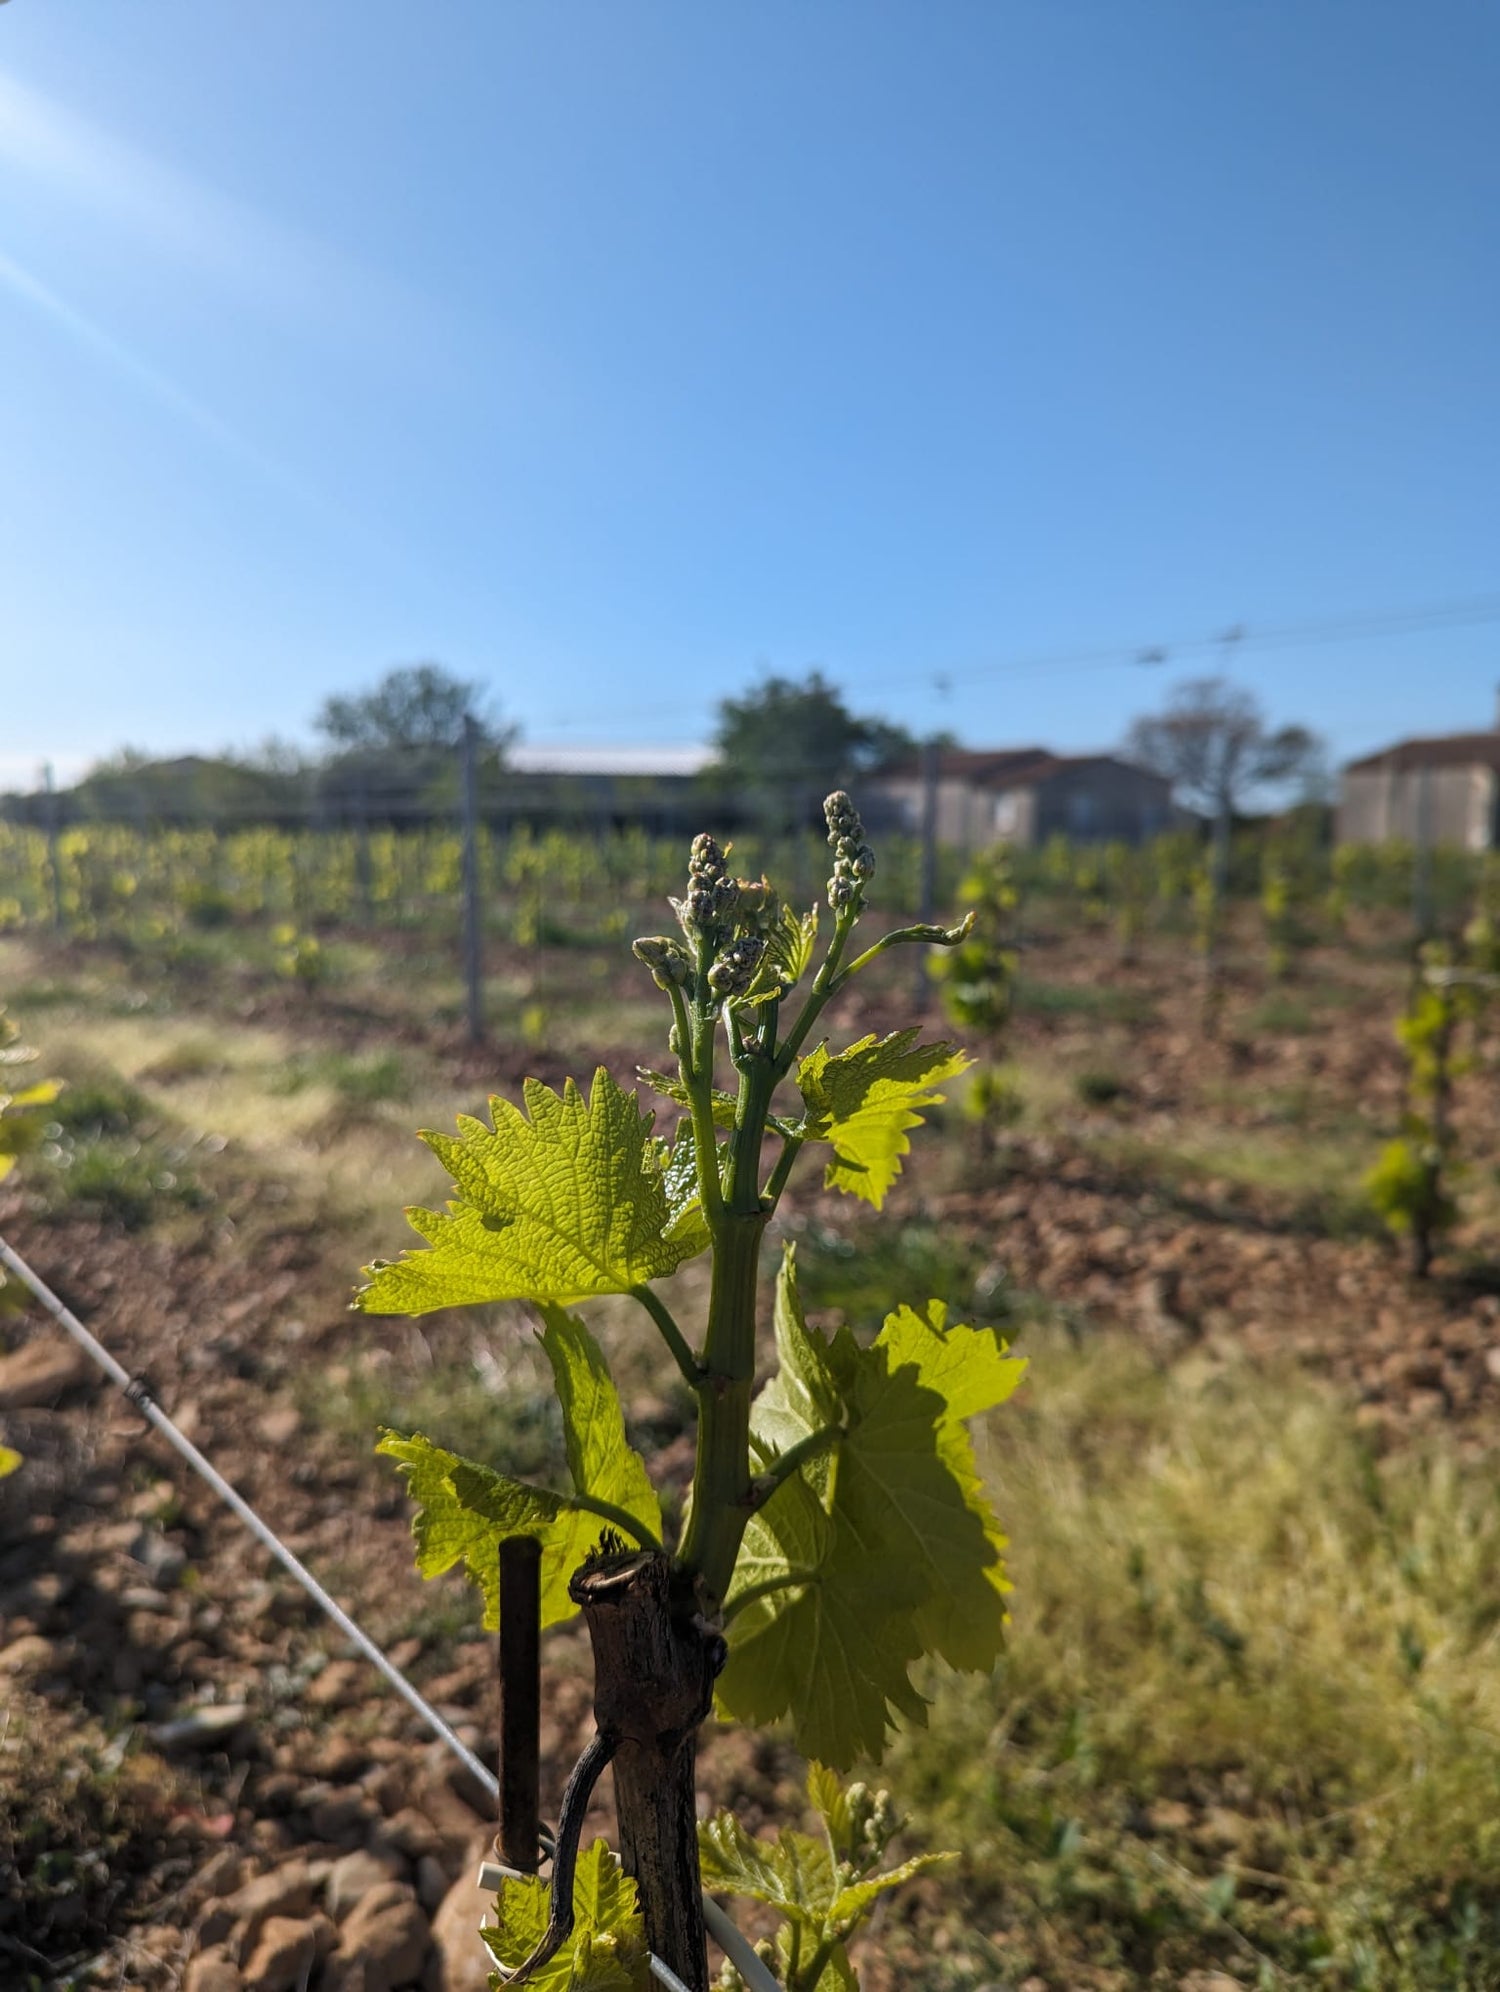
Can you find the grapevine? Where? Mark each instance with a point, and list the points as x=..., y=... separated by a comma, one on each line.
x=837, y=1529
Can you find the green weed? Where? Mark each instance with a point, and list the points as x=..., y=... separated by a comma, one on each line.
x=1097, y=1086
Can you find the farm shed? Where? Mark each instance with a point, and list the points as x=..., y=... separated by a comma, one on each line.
x=1026, y=794
x=1444, y=790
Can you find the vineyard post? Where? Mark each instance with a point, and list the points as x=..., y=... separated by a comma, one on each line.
x=520, y=1700
x=362, y=869
x=800, y=808
x=928, y=886
x=473, y=964
x=53, y=866
x=1222, y=829
x=1421, y=867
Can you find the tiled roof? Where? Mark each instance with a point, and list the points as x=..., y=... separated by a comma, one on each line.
x=1449, y=750
x=1007, y=767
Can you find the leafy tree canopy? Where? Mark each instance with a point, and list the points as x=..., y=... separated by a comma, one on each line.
x=1213, y=744
x=414, y=707
x=787, y=736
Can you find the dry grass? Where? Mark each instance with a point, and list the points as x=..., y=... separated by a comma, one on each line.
x=1251, y=1707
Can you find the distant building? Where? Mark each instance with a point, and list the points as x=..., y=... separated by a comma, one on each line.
x=1024, y=795
x=1439, y=791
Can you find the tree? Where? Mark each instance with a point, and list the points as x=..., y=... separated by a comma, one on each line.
x=415, y=707
x=1213, y=745
x=800, y=738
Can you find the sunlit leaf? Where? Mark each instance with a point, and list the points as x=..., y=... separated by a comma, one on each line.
x=865, y=1101
x=569, y=1202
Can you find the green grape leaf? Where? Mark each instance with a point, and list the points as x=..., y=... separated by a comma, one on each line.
x=834, y=1653
x=569, y=1202
x=856, y=1898
x=795, y=1875
x=804, y=1394
x=788, y=956
x=673, y=1089
x=969, y=1367
x=886, y=1545
x=793, y=941
x=606, y=1951
x=790, y=1534
x=21, y=1117
x=792, y=1873
x=603, y=1463
x=453, y=1526
x=686, y=1224
x=825, y=1791
x=838, y=1975
x=898, y=1502
x=864, y=1102
x=465, y=1510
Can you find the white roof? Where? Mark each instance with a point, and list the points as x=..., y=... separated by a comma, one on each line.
x=630, y=758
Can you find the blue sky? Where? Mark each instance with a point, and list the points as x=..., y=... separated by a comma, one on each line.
x=615, y=352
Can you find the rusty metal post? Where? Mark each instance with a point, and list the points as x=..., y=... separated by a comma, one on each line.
x=520, y=1701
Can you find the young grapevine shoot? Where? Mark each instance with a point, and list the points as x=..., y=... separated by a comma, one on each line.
x=837, y=1530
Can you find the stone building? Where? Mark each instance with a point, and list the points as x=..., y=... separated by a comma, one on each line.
x=1024, y=795
x=1438, y=791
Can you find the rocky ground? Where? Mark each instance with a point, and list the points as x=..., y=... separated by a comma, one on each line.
x=199, y=1788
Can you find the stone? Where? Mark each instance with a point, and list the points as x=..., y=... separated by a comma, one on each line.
x=286, y=1892
x=284, y=1952
x=465, y=1961
x=215, y=1921
x=213, y=1971
x=387, y=1929
x=352, y=1877
x=27, y=1656
x=207, y=1724
x=341, y=1814
x=337, y=1683
x=40, y=1371
x=411, y=1833
x=454, y=1818
x=220, y=1875
x=163, y=1561
x=344, y=1974
x=280, y=1426
x=432, y=1883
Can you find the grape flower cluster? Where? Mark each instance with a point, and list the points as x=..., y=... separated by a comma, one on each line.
x=853, y=860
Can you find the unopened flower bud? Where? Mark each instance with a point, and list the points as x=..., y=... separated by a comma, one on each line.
x=842, y=817
x=734, y=971
x=711, y=893
x=853, y=860
x=667, y=959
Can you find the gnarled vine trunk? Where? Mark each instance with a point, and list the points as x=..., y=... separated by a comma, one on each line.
x=654, y=1665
